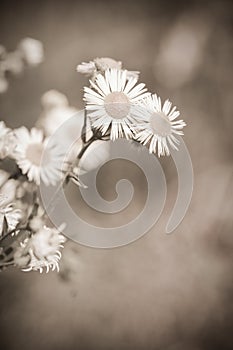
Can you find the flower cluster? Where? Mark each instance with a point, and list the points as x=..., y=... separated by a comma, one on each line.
x=29, y=52
x=27, y=160
x=116, y=106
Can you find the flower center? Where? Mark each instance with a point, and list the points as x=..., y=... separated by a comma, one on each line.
x=34, y=153
x=160, y=124
x=117, y=105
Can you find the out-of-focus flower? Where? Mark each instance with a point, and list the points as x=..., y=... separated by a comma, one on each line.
x=172, y=68
x=53, y=98
x=13, y=63
x=29, y=51
x=56, y=111
x=38, y=159
x=42, y=249
x=8, y=213
x=134, y=74
x=110, y=100
x=32, y=51
x=38, y=221
x=86, y=68
x=158, y=126
x=104, y=63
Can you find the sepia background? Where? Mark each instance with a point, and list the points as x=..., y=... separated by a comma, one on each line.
x=162, y=292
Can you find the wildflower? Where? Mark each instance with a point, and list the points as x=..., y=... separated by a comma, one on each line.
x=158, y=126
x=110, y=103
x=38, y=159
x=32, y=51
x=42, y=250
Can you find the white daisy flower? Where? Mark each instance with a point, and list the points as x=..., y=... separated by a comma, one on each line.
x=111, y=102
x=9, y=213
x=158, y=126
x=36, y=158
x=42, y=249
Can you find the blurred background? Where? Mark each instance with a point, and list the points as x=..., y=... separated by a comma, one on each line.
x=162, y=292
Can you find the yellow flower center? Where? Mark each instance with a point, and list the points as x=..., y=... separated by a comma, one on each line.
x=160, y=124
x=117, y=105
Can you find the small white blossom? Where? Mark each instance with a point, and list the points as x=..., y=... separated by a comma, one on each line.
x=38, y=159
x=42, y=249
x=158, y=126
x=110, y=103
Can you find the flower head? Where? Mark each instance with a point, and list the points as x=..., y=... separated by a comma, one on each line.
x=158, y=126
x=110, y=103
x=40, y=251
x=38, y=159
